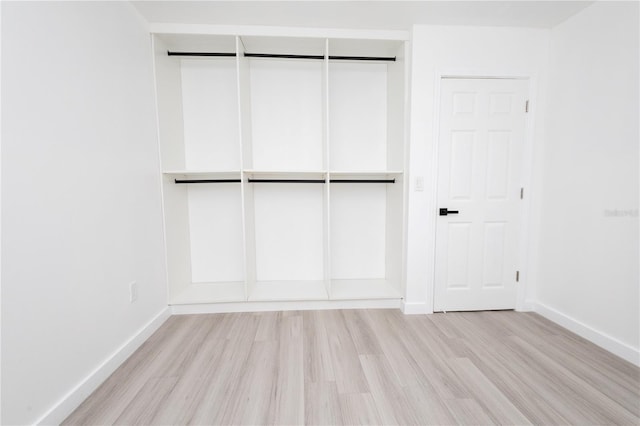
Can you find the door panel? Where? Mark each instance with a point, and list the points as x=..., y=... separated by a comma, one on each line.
x=482, y=126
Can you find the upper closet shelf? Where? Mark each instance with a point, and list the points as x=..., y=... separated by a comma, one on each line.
x=291, y=174
x=213, y=173
x=337, y=173
x=385, y=176
x=203, y=176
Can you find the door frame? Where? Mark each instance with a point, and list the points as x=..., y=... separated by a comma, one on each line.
x=526, y=250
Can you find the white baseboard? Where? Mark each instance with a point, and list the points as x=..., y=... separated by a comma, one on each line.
x=526, y=306
x=415, y=308
x=599, y=338
x=77, y=395
x=218, y=308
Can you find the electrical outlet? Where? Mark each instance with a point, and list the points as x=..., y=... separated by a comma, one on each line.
x=133, y=291
x=420, y=184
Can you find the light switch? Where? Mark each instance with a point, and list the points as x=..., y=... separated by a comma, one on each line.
x=419, y=184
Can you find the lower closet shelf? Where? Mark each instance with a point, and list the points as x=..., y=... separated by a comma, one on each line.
x=363, y=289
x=294, y=290
x=215, y=292
x=267, y=291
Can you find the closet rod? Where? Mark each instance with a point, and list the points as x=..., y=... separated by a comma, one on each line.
x=363, y=58
x=286, y=180
x=282, y=56
x=287, y=56
x=208, y=181
x=322, y=180
x=363, y=181
x=221, y=54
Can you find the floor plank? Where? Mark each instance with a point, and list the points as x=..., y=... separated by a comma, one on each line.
x=365, y=367
x=322, y=404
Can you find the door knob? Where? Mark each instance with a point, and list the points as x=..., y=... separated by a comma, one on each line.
x=445, y=211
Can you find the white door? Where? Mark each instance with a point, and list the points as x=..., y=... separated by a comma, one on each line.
x=482, y=128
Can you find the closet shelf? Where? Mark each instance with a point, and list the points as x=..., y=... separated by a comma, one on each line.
x=267, y=291
x=337, y=173
x=385, y=176
x=285, y=175
x=265, y=176
x=215, y=292
x=204, y=174
x=363, y=289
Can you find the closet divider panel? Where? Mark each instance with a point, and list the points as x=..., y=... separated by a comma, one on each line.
x=169, y=104
x=397, y=95
x=244, y=97
x=394, y=233
x=171, y=144
x=326, y=211
x=396, y=159
x=178, y=246
x=248, y=211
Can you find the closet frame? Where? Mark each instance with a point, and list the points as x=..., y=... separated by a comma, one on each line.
x=237, y=188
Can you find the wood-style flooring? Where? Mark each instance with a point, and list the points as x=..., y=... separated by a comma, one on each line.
x=366, y=367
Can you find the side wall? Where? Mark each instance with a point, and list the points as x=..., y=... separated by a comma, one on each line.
x=588, y=271
x=81, y=203
x=481, y=51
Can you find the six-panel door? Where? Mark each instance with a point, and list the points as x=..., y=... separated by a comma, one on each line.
x=482, y=128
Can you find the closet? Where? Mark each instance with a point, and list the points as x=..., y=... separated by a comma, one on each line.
x=283, y=164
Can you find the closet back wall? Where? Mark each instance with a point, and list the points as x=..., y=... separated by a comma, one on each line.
x=81, y=203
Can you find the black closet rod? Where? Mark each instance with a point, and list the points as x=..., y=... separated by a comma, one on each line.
x=207, y=180
x=222, y=54
x=282, y=56
x=363, y=181
x=363, y=58
x=321, y=181
x=287, y=56
x=286, y=180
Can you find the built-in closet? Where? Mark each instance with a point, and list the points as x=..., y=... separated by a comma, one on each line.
x=283, y=163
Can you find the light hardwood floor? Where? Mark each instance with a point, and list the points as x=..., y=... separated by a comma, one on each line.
x=366, y=367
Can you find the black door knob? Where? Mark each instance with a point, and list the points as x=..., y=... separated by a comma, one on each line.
x=445, y=211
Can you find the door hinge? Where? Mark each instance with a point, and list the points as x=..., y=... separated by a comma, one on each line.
x=526, y=106
x=521, y=193
x=517, y=276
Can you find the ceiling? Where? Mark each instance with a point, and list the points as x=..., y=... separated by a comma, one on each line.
x=390, y=15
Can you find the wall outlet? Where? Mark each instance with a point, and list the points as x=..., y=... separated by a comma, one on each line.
x=419, y=184
x=133, y=291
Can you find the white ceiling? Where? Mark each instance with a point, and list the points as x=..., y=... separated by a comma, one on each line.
x=396, y=15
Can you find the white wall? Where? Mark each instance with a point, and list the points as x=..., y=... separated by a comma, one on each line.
x=452, y=50
x=81, y=203
x=588, y=270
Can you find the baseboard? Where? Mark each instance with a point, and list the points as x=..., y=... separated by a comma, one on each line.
x=76, y=396
x=526, y=306
x=415, y=308
x=603, y=340
x=219, y=308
